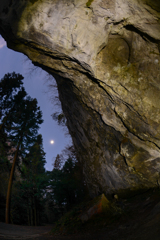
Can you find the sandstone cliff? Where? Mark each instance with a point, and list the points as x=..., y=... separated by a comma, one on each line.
x=105, y=56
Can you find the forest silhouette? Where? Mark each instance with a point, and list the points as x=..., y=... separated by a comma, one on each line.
x=30, y=195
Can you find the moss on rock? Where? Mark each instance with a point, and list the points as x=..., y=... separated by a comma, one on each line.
x=88, y=4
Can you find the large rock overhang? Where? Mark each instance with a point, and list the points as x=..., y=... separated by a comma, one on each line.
x=105, y=56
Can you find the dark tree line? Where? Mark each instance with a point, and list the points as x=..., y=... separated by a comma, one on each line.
x=28, y=203
x=20, y=118
x=29, y=194
x=66, y=186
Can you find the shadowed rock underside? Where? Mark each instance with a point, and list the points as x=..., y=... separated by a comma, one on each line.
x=105, y=57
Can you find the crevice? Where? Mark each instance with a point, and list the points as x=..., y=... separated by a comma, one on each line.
x=124, y=87
x=114, y=102
x=98, y=80
x=116, y=23
x=124, y=158
x=124, y=124
x=131, y=108
x=159, y=46
x=128, y=129
x=130, y=50
x=31, y=45
x=101, y=48
x=93, y=109
x=125, y=161
x=145, y=36
x=90, y=76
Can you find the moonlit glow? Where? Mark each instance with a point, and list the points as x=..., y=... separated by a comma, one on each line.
x=51, y=142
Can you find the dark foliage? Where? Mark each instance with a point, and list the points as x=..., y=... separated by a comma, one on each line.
x=28, y=203
x=66, y=187
x=37, y=196
x=20, y=118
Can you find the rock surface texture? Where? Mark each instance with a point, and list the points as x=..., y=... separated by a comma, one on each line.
x=105, y=56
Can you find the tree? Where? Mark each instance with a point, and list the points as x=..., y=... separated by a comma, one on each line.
x=59, y=118
x=5, y=168
x=34, y=181
x=4, y=151
x=58, y=161
x=22, y=131
x=11, y=93
x=20, y=120
x=28, y=200
x=67, y=186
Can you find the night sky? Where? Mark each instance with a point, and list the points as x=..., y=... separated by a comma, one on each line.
x=36, y=85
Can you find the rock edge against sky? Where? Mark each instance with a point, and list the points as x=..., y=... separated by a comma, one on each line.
x=105, y=57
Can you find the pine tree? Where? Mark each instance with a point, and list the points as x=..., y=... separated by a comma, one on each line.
x=34, y=180
x=67, y=186
x=20, y=118
x=11, y=93
x=58, y=162
x=22, y=131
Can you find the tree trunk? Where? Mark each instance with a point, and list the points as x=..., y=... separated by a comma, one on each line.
x=28, y=215
x=32, y=220
x=7, y=220
x=35, y=213
x=6, y=117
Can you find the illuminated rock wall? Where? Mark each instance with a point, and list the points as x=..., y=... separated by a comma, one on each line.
x=105, y=56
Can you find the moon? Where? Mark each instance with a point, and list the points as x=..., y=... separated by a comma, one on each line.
x=52, y=142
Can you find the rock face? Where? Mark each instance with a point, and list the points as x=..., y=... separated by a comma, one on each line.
x=105, y=56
